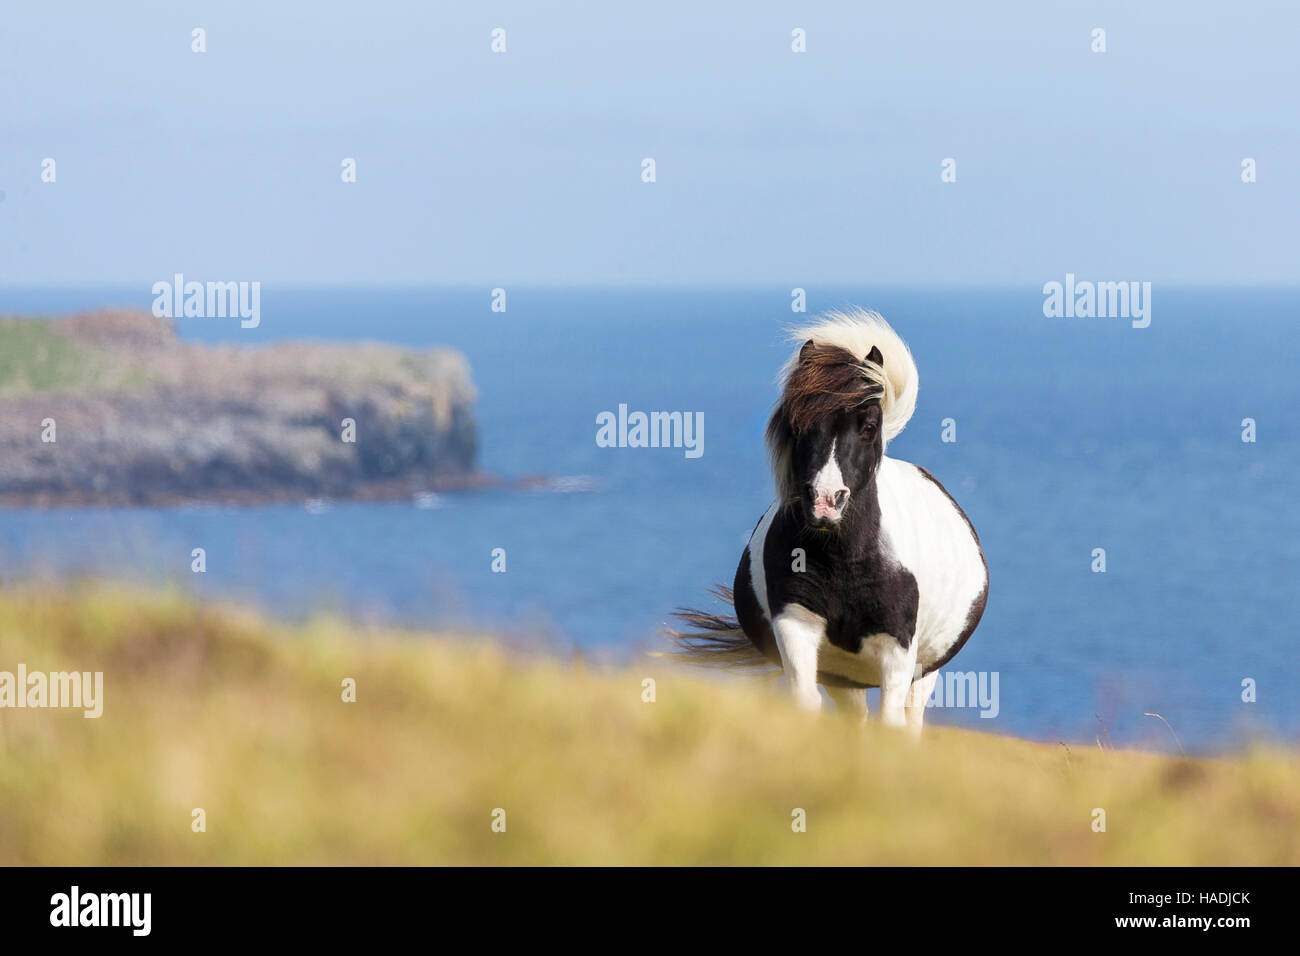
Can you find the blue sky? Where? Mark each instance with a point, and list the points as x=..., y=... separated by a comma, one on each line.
x=772, y=166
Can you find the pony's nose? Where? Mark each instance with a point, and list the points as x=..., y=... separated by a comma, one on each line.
x=828, y=503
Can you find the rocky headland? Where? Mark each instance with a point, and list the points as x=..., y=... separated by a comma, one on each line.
x=111, y=407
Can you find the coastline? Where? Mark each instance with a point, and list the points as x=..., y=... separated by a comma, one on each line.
x=110, y=408
x=371, y=491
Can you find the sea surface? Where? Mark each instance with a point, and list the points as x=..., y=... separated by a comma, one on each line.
x=1071, y=435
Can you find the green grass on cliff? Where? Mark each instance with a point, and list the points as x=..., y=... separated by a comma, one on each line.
x=244, y=719
x=32, y=358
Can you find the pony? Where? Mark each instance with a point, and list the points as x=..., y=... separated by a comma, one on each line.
x=863, y=572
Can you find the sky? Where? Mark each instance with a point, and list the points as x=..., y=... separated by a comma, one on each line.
x=770, y=165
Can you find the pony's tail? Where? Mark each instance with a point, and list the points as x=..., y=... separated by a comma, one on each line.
x=714, y=640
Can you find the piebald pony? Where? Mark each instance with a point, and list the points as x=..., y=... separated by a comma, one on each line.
x=863, y=572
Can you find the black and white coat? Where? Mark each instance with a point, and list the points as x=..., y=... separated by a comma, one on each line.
x=864, y=572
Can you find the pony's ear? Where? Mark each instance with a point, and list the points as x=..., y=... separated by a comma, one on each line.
x=875, y=358
x=803, y=352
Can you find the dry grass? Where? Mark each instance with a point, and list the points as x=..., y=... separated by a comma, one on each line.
x=213, y=710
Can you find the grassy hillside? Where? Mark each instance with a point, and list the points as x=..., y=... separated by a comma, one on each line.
x=223, y=712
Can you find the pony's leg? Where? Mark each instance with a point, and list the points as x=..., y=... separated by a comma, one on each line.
x=897, y=666
x=916, y=698
x=799, y=635
x=849, y=701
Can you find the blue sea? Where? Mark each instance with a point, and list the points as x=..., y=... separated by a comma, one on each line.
x=1071, y=435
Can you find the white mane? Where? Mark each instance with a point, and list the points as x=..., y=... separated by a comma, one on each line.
x=857, y=330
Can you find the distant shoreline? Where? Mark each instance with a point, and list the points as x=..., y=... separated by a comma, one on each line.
x=110, y=408
x=373, y=491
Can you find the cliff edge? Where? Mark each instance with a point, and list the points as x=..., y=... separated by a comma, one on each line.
x=111, y=407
